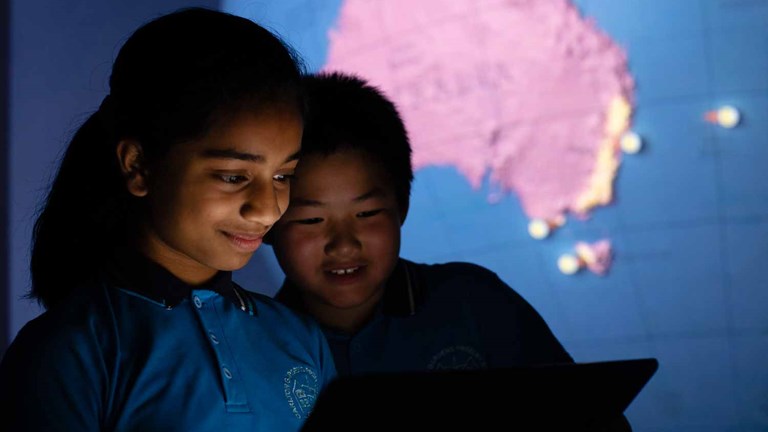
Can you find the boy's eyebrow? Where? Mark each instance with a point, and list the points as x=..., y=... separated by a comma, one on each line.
x=303, y=202
x=234, y=154
x=373, y=193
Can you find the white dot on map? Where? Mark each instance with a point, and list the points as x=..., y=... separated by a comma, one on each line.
x=568, y=264
x=538, y=229
x=631, y=143
x=728, y=116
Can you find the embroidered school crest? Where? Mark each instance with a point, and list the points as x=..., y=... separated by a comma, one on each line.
x=458, y=357
x=301, y=389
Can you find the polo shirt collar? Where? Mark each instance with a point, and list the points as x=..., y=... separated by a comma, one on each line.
x=134, y=272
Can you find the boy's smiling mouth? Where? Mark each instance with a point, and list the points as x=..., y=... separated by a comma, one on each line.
x=343, y=271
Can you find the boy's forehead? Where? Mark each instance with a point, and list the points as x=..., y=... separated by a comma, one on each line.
x=345, y=172
x=338, y=164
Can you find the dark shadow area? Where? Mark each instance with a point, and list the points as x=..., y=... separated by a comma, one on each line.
x=5, y=23
x=58, y=55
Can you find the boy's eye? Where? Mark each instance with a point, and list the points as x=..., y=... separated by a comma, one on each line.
x=309, y=221
x=369, y=213
x=233, y=179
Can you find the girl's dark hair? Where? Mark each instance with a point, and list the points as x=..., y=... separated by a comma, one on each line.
x=174, y=78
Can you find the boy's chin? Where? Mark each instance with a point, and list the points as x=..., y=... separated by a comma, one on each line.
x=351, y=300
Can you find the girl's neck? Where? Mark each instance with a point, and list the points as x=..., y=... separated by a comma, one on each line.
x=183, y=267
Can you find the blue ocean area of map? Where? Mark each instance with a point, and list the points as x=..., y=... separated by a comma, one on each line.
x=688, y=225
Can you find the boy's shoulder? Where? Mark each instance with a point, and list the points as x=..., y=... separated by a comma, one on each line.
x=461, y=280
x=453, y=268
x=454, y=273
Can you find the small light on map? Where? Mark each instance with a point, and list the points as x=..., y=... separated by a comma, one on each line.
x=596, y=257
x=725, y=116
x=631, y=143
x=539, y=229
x=569, y=264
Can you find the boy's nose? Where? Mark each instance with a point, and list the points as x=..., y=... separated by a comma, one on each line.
x=262, y=206
x=342, y=243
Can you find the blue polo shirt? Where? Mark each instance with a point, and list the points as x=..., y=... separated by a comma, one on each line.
x=445, y=316
x=135, y=353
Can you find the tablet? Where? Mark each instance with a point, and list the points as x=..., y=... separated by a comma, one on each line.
x=572, y=396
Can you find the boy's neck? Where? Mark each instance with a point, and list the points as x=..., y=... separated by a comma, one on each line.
x=345, y=320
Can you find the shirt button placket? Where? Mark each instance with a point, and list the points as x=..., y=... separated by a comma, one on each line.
x=208, y=311
x=227, y=372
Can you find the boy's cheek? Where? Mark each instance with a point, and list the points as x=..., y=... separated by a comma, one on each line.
x=290, y=237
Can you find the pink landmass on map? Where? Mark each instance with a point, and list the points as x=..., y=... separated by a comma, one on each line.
x=596, y=256
x=526, y=91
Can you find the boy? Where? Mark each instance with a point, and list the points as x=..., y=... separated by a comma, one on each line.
x=339, y=245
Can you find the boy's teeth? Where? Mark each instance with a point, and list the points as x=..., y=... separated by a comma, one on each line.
x=344, y=271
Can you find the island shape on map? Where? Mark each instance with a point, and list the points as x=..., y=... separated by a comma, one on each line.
x=526, y=92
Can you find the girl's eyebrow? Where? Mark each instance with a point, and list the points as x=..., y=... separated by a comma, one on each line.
x=234, y=154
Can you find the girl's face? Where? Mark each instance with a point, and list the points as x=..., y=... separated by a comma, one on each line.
x=340, y=239
x=213, y=199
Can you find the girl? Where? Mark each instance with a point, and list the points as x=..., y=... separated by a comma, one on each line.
x=161, y=193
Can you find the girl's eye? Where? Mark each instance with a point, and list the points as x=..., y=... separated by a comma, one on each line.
x=310, y=221
x=283, y=178
x=369, y=213
x=233, y=179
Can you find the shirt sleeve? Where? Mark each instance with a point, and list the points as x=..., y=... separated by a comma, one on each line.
x=52, y=378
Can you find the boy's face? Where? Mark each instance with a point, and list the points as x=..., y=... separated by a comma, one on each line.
x=340, y=239
x=214, y=198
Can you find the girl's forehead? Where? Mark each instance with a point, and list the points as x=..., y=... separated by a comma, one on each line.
x=253, y=135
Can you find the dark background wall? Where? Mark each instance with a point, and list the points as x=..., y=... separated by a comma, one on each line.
x=4, y=180
x=58, y=62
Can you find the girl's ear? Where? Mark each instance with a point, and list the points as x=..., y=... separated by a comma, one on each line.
x=130, y=156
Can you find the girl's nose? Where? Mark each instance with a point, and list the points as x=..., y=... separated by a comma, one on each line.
x=262, y=205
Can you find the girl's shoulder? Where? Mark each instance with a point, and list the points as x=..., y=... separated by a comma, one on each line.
x=82, y=320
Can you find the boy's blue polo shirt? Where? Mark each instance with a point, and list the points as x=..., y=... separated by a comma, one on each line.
x=164, y=356
x=445, y=316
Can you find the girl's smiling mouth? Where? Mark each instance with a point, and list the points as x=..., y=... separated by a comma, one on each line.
x=245, y=241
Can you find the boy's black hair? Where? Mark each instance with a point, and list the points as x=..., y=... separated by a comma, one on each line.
x=347, y=113
x=173, y=80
